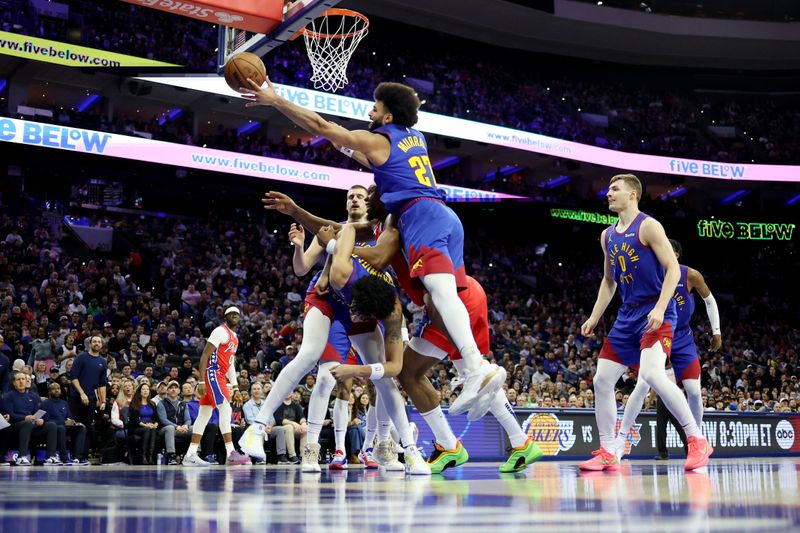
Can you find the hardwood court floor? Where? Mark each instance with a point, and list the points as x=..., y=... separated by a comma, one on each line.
x=733, y=495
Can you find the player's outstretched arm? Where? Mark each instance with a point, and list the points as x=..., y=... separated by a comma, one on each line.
x=341, y=264
x=375, y=147
x=381, y=255
x=303, y=259
x=652, y=234
x=607, y=289
x=282, y=203
x=698, y=282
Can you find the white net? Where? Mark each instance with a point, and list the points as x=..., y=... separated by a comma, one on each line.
x=330, y=42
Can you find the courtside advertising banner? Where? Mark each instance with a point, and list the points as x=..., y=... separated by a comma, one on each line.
x=344, y=106
x=71, y=55
x=571, y=434
x=140, y=149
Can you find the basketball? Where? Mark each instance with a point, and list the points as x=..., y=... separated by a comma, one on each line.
x=242, y=66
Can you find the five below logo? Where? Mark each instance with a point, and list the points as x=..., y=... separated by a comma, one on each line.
x=550, y=434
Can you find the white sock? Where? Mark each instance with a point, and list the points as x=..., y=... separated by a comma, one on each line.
x=372, y=428
x=229, y=447
x=193, y=448
x=605, y=408
x=315, y=328
x=382, y=419
x=444, y=293
x=341, y=416
x=651, y=369
x=395, y=409
x=694, y=396
x=318, y=404
x=504, y=414
x=632, y=410
x=441, y=428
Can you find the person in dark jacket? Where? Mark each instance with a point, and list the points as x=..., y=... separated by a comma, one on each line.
x=21, y=406
x=57, y=411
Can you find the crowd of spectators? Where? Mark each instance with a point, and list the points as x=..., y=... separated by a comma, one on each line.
x=464, y=79
x=145, y=318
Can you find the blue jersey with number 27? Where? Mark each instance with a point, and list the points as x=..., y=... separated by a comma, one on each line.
x=407, y=174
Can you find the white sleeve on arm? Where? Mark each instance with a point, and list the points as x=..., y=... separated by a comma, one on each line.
x=218, y=337
x=713, y=314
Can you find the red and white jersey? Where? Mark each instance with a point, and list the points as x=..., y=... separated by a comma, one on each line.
x=225, y=343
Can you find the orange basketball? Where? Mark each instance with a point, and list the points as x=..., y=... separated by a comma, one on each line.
x=242, y=66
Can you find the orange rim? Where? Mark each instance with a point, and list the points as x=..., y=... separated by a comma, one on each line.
x=336, y=12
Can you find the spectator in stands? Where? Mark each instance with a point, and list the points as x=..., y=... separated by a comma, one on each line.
x=22, y=406
x=57, y=411
x=290, y=415
x=89, y=379
x=5, y=370
x=174, y=421
x=251, y=408
x=142, y=422
x=356, y=426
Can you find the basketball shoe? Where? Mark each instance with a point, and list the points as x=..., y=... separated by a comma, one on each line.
x=310, y=462
x=478, y=383
x=386, y=457
x=339, y=461
x=252, y=441
x=602, y=460
x=441, y=459
x=699, y=452
x=522, y=456
x=365, y=456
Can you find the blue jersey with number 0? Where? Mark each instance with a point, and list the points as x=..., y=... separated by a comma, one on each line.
x=407, y=174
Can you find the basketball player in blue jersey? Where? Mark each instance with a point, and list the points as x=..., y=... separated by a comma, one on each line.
x=346, y=269
x=684, y=358
x=639, y=260
x=432, y=234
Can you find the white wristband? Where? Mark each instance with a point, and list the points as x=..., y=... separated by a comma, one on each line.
x=404, y=334
x=346, y=151
x=376, y=371
x=330, y=246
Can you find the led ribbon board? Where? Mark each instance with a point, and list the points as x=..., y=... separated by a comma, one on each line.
x=343, y=106
x=180, y=155
x=71, y=55
x=584, y=216
x=745, y=231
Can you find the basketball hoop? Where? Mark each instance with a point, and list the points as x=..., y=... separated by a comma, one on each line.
x=330, y=40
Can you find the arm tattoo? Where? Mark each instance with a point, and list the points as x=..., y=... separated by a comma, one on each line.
x=393, y=325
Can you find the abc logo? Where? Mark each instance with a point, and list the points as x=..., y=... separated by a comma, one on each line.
x=784, y=434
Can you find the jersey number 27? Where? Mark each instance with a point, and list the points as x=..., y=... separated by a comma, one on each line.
x=422, y=170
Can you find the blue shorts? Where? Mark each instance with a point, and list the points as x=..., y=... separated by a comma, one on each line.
x=628, y=337
x=339, y=348
x=684, y=358
x=433, y=239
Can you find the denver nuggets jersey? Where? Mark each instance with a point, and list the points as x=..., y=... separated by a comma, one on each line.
x=634, y=266
x=360, y=269
x=407, y=174
x=313, y=282
x=684, y=300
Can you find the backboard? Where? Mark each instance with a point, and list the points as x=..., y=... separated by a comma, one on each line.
x=297, y=15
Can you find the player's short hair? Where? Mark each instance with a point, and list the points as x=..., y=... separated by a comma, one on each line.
x=359, y=187
x=400, y=100
x=372, y=298
x=632, y=181
x=676, y=247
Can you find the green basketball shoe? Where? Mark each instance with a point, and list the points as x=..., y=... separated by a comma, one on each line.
x=441, y=458
x=523, y=456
